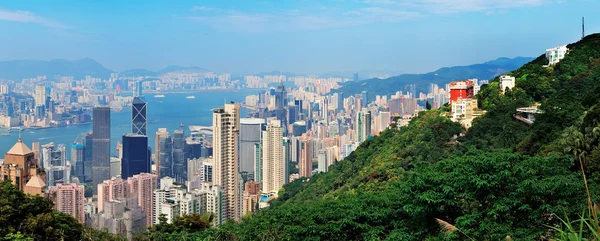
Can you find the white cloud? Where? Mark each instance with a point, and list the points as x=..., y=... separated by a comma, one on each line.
x=366, y=12
x=28, y=17
x=201, y=8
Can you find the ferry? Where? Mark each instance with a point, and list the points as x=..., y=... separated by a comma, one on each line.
x=159, y=96
x=191, y=97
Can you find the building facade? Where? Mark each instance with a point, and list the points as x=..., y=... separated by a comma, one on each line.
x=101, y=146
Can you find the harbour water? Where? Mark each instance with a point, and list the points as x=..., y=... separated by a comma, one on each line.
x=168, y=112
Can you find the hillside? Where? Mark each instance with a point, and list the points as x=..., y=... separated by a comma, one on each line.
x=502, y=178
x=389, y=86
x=20, y=69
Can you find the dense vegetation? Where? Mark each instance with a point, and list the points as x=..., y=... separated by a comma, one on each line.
x=500, y=178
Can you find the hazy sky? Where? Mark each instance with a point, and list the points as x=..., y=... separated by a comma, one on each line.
x=302, y=36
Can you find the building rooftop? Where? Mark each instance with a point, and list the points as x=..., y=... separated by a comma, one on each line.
x=36, y=181
x=19, y=149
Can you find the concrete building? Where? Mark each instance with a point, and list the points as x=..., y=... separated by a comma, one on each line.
x=461, y=89
x=21, y=168
x=142, y=186
x=78, y=161
x=305, y=160
x=250, y=131
x=69, y=199
x=464, y=111
x=115, y=167
x=274, y=164
x=101, y=146
x=226, y=125
x=556, y=54
x=506, y=82
x=251, y=197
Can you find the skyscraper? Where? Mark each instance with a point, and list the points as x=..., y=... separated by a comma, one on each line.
x=226, y=125
x=179, y=161
x=54, y=161
x=305, y=162
x=138, y=116
x=88, y=159
x=164, y=153
x=250, y=131
x=101, y=146
x=40, y=95
x=78, y=161
x=355, y=76
x=136, y=158
x=273, y=168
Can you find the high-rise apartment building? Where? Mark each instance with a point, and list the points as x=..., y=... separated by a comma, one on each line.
x=101, y=145
x=142, y=186
x=273, y=168
x=69, y=199
x=138, y=116
x=226, y=125
x=40, y=95
x=305, y=160
x=251, y=197
x=136, y=155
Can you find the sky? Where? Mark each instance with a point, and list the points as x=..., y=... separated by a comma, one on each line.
x=299, y=36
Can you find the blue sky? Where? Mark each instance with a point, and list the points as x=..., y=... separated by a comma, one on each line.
x=301, y=36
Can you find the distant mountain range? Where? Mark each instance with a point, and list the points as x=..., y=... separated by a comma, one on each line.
x=21, y=69
x=483, y=71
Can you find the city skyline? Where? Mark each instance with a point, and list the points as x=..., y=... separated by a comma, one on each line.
x=302, y=37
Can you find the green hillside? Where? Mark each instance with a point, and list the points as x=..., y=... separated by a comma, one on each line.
x=501, y=178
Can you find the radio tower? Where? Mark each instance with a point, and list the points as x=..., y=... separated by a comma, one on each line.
x=582, y=27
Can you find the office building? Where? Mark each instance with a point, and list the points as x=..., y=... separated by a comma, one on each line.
x=88, y=160
x=115, y=167
x=250, y=131
x=273, y=168
x=138, y=116
x=164, y=153
x=22, y=169
x=101, y=145
x=78, y=161
x=40, y=95
x=54, y=162
x=69, y=199
x=226, y=125
x=179, y=161
x=136, y=156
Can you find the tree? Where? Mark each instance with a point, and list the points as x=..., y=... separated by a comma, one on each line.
x=427, y=105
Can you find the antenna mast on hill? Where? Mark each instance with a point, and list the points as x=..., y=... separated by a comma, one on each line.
x=582, y=27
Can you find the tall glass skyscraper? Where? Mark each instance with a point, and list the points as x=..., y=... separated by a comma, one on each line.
x=136, y=155
x=89, y=156
x=179, y=161
x=101, y=146
x=164, y=153
x=138, y=116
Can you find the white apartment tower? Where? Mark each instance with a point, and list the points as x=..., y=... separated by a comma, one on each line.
x=226, y=126
x=273, y=168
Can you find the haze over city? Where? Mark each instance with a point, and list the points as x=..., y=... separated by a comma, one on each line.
x=305, y=37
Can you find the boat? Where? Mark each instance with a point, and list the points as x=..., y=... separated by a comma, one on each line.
x=159, y=96
x=181, y=125
x=191, y=97
x=6, y=134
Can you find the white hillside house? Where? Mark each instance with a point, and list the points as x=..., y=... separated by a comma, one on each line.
x=506, y=82
x=554, y=55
